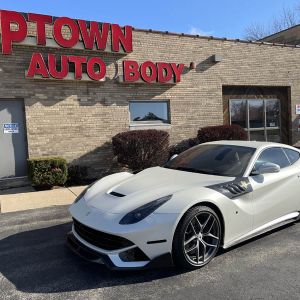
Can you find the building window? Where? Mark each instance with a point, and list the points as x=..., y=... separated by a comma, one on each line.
x=149, y=112
x=259, y=117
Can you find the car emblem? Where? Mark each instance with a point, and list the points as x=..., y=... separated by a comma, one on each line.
x=87, y=213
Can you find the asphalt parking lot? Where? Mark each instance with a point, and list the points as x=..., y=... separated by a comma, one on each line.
x=35, y=264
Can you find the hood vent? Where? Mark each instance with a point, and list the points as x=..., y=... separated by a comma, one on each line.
x=115, y=194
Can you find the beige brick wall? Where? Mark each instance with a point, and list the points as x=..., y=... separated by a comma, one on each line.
x=76, y=120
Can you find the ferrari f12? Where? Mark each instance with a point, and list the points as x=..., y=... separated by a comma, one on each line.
x=213, y=195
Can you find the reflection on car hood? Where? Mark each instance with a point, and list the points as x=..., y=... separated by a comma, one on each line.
x=146, y=186
x=157, y=177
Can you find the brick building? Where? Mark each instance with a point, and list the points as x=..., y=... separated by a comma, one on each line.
x=289, y=36
x=222, y=81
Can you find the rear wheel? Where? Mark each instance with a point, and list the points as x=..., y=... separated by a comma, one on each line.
x=197, y=238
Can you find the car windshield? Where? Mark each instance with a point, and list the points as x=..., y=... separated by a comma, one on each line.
x=213, y=159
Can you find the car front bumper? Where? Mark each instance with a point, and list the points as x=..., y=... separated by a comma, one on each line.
x=141, y=243
x=89, y=254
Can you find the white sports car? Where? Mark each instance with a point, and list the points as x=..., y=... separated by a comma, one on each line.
x=213, y=195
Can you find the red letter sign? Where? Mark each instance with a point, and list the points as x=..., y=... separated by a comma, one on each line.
x=57, y=32
x=91, y=68
x=78, y=61
x=40, y=21
x=37, y=66
x=131, y=70
x=8, y=36
x=164, y=72
x=177, y=71
x=94, y=33
x=152, y=68
x=64, y=66
x=118, y=37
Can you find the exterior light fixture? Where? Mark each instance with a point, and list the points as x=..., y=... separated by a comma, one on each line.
x=217, y=58
x=192, y=65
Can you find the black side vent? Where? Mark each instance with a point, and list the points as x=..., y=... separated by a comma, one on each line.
x=232, y=189
x=116, y=194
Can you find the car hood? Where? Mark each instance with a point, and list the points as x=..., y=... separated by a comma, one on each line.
x=136, y=190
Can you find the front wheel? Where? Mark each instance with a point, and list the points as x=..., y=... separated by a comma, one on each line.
x=197, y=238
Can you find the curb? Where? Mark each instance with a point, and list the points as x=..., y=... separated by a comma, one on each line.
x=33, y=200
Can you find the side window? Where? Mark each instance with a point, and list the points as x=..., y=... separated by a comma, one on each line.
x=273, y=155
x=292, y=155
x=149, y=112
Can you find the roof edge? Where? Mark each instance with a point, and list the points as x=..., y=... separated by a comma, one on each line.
x=268, y=36
x=215, y=38
x=197, y=36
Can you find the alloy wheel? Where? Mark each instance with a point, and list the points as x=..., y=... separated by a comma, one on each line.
x=201, y=238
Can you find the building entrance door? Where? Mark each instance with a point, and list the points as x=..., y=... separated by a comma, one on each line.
x=259, y=117
x=13, y=143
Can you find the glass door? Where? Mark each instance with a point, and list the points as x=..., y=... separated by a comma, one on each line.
x=259, y=117
x=273, y=120
x=256, y=120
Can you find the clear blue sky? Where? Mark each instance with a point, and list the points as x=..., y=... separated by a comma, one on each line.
x=222, y=18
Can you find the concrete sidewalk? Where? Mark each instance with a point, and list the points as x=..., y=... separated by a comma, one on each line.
x=33, y=200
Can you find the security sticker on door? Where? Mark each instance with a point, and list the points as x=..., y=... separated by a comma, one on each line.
x=11, y=128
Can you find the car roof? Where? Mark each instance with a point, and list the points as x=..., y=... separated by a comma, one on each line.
x=251, y=144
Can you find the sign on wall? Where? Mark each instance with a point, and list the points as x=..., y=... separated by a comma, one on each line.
x=11, y=128
x=297, y=109
x=82, y=35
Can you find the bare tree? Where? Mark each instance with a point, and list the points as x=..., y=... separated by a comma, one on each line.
x=288, y=18
x=255, y=32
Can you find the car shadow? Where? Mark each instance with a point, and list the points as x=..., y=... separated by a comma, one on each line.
x=39, y=261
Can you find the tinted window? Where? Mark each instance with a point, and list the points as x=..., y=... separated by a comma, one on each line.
x=273, y=155
x=272, y=113
x=259, y=117
x=292, y=155
x=222, y=160
x=149, y=111
x=238, y=112
x=256, y=114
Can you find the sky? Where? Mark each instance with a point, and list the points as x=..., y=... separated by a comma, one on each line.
x=220, y=18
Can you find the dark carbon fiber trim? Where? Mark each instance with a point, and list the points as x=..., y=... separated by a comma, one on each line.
x=233, y=189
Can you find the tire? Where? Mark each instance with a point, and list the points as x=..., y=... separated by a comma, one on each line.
x=197, y=238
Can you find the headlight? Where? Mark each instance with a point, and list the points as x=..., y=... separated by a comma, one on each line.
x=144, y=211
x=83, y=193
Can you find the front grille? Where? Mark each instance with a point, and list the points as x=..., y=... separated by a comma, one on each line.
x=100, y=239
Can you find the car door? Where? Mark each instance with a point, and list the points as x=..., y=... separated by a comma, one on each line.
x=274, y=195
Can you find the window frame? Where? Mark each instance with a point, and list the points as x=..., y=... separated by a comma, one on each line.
x=284, y=150
x=257, y=155
x=264, y=129
x=270, y=148
x=151, y=122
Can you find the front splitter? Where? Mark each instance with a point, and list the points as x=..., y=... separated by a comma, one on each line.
x=162, y=261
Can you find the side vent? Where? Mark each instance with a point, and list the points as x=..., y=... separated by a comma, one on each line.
x=233, y=189
x=115, y=194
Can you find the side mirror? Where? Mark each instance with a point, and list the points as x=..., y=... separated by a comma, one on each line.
x=173, y=156
x=266, y=168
